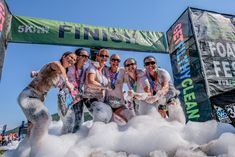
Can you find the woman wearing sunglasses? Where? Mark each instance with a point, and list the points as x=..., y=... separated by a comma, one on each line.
x=31, y=99
x=162, y=90
x=95, y=86
x=70, y=110
x=137, y=84
x=115, y=96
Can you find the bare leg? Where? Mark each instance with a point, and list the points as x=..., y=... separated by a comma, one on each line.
x=37, y=113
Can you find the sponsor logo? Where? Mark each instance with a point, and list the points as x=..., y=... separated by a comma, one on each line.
x=33, y=29
x=222, y=115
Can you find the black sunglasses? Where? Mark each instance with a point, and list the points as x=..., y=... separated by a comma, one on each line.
x=114, y=60
x=84, y=56
x=104, y=56
x=148, y=63
x=127, y=65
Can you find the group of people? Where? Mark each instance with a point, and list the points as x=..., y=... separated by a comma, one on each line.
x=99, y=88
x=5, y=139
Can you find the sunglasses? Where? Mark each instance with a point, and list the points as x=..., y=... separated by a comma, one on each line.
x=148, y=63
x=84, y=56
x=127, y=65
x=104, y=56
x=114, y=60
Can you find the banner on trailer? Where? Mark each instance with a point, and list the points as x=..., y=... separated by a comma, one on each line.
x=216, y=37
x=43, y=31
x=187, y=70
x=5, y=22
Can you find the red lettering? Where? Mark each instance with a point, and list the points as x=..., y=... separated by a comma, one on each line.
x=178, y=34
x=2, y=16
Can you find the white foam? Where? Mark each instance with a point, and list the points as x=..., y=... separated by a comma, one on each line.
x=147, y=135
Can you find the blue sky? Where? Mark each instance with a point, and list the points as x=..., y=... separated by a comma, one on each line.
x=20, y=59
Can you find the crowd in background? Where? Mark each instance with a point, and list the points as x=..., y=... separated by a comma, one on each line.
x=5, y=139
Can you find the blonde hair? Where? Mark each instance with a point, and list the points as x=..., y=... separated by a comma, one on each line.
x=103, y=50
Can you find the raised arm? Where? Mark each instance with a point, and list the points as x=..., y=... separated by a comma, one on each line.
x=56, y=66
x=92, y=83
x=166, y=80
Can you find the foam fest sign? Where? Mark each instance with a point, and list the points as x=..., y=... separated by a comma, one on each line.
x=219, y=60
x=202, y=50
x=225, y=65
x=216, y=39
x=186, y=82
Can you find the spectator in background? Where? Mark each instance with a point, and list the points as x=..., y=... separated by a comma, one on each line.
x=5, y=140
x=1, y=139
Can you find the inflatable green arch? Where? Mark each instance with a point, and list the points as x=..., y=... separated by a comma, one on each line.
x=19, y=29
x=201, y=48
